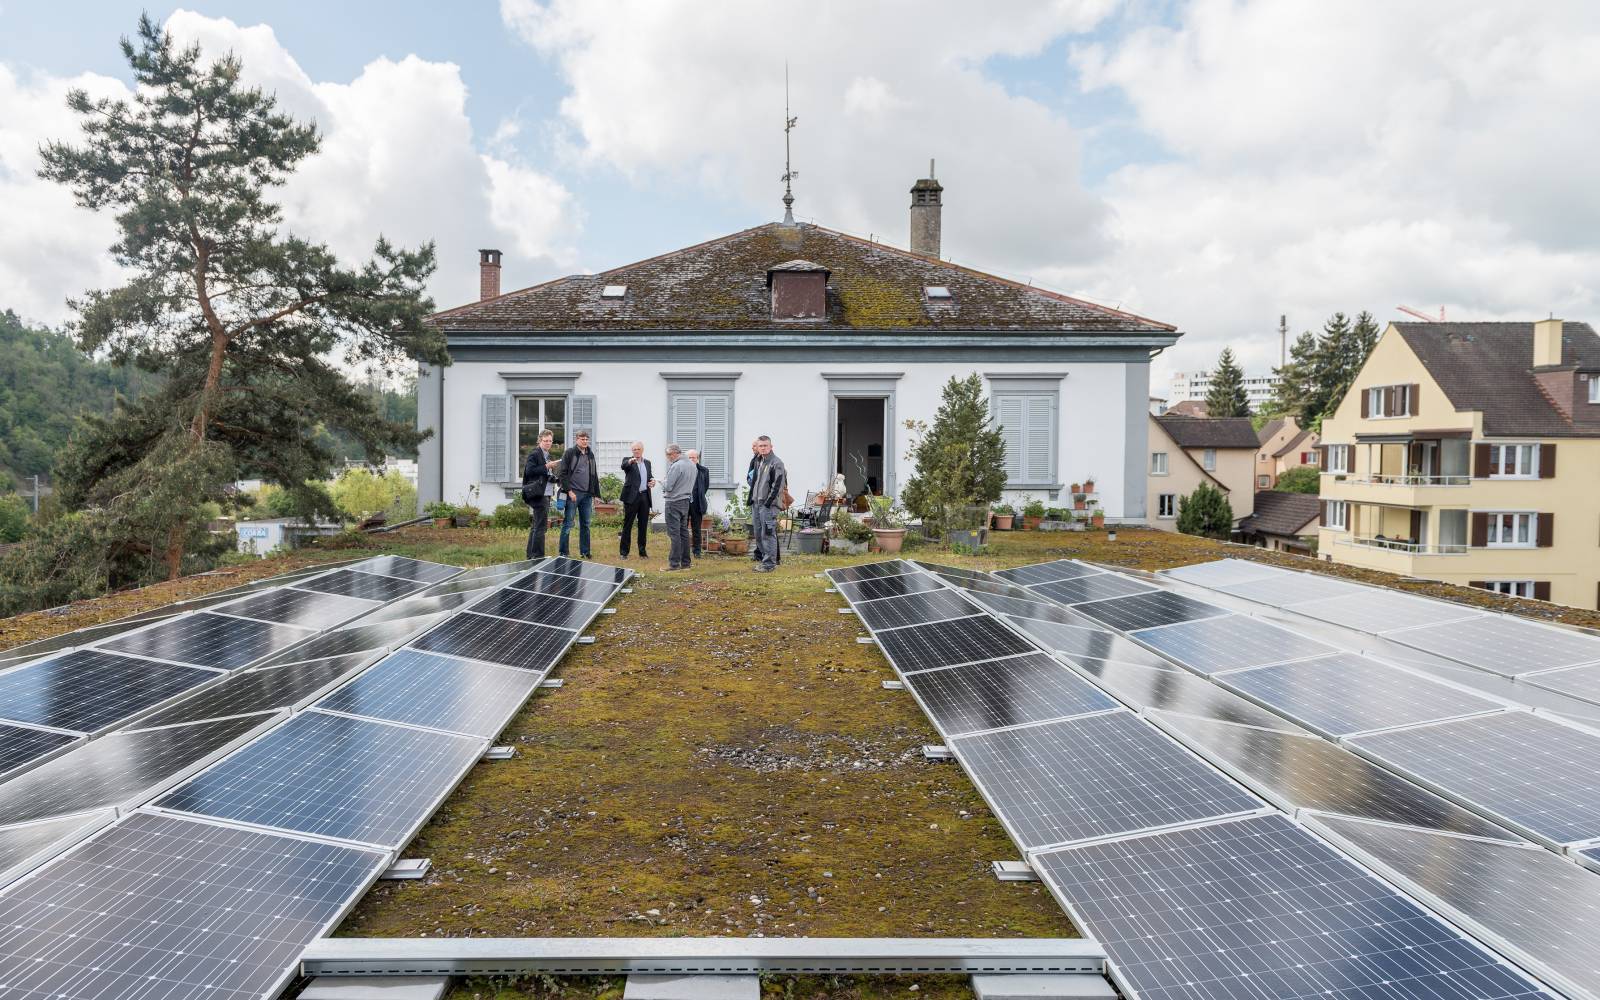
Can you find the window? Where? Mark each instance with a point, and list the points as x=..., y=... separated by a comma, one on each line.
x=1594, y=388
x=1389, y=401
x=1336, y=515
x=1513, y=461
x=1511, y=588
x=1028, y=425
x=1167, y=505
x=1511, y=530
x=1338, y=458
x=1158, y=463
x=938, y=291
x=535, y=413
x=1308, y=458
x=1208, y=460
x=1262, y=482
x=703, y=421
x=614, y=291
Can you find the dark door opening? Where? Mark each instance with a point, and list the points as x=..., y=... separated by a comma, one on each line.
x=858, y=445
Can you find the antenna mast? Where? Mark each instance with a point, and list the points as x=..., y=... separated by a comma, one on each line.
x=789, y=173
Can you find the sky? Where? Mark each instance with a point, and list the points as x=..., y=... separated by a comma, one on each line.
x=1212, y=164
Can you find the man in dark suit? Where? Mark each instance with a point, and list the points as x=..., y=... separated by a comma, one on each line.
x=536, y=490
x=697, y=503
x=638, y=479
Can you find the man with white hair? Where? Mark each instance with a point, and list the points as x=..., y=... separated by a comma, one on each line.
x=698, y=502
x=638, y=479
x=678, y=490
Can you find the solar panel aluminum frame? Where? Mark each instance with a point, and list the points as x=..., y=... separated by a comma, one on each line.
x=122, y=723
x=1587, y=856
x=309, y=635
x=1474, y=928
x=373, y=656
x=93, y=822
x=534, y=682
x=911, y=688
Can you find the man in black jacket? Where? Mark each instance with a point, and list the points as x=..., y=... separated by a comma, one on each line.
x=580, y=481
x=697, y=502
x=638, y=479
x=536, y=489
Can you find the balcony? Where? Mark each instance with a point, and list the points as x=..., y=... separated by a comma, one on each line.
x=1413, y=479
x=1401, y=545
x=1394, y=489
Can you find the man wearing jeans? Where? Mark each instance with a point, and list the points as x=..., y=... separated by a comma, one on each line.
x=678, y=490
x=580, y=481
x=766, y=501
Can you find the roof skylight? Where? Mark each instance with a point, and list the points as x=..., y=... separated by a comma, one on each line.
x=613, y=291
x=938, y=292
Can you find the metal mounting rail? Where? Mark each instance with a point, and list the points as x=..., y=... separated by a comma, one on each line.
x=698, y=956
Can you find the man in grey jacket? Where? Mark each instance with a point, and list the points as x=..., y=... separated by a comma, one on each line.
x=766, y=502
x=678, y=491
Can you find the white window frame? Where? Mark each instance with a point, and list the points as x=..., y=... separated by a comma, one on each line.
x=1166, y=506
x=1338, y=459
x=1525, y=462
x=1521, y=523
x=1158, y=463
x=1511, y=588
x=1338, y=515
x=1208, y=459
x=560, y=429
x=1402, y=401
x=1594, y=388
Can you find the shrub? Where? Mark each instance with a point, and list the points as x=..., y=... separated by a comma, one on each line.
x=512, y=515
x=1300, y=479
x=849, y=528
x=439, y=508
x=13, y=518
x=610, y=487
x=885, y=514
x=358, y=493
x=1033, y=508
x=1205, y=512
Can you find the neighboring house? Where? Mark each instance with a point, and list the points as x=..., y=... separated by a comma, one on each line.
x=1186, y=451
x=826, y=342
x=1187, y=408
x=1441, y=462
x=1284, y=446
x=1283, y=522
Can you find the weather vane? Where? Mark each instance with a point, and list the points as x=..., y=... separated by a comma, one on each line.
x=789, y=173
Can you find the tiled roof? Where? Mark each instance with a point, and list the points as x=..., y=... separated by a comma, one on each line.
x=1187, y=408
x=1294, y=443
x=1210, y=432
x=1282, y=513
x=1488, y=367
x=722, y=285
x=1270, y=428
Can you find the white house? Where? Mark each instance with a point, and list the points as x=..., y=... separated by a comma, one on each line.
x=826, y=342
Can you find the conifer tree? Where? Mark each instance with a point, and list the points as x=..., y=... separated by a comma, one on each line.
x=1205, y=512
x=1227, y=397
x=960, y=459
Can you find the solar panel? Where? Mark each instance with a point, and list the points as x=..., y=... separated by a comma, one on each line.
x=1142, y=611
x=21, y=747
x=1344, y=693
x=542, y=609
x=208, y=640
x=591, y=571
x=890, y=586
x=413, y=607
x=88, y=689
x=954, y=572
x=1384, y=611
x=299, y=607
x=1301, y=771
x=497, y=571
x=1232, y=642
x=1224, y=572
x=333, y=776
x=1020, y=607
x=368, y=586
x=159, y=906
x=1589, y=858
x=1090, y=588
x=1282, y=589
x=1093, y=776
x=405, y=568
x=496, y=640
x=1080, y=641
x=1521, y=900
x=1503, y=644
x=915, y=609
x=1259, y=909
x=891, y=567
x=1049, y=572
x=463, y=585
x=944, y=644
x=1145, y=687
x=1537, y=776
x=439, y=692
x=998, y=693
x=1582, y=683
x=353, y=639
x=565, y=586
x=998, y=587
x=29, y=844
x=81, y=637
x=118, y=768
x=263, y=690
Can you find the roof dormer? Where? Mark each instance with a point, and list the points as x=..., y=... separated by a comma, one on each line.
x=799, y=290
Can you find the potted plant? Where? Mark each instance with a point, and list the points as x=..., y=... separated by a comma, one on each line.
x=1079, y=499
x=1056, y=519
x=737, y=511
x=466, y=516
x=1088, y=484
x=1076, y=488
x=1032, y=514
x=850, y=535
x=441, y=512
x=610, y=490
x=1097, y=517
x=888, y=528
x=1004, y=514
x=966, y=528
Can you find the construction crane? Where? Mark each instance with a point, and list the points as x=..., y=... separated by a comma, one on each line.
x=1419, y=314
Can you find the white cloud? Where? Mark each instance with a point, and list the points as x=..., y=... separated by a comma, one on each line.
x=398, y=157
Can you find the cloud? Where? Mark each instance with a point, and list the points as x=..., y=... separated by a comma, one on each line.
x=399, y=157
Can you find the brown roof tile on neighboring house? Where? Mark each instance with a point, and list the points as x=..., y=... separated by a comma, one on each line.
x=722, y=285
x=1270, y=429
x=1187, y=408
x=1286, y=514
x=1488, y=367
x=1294, y=443
x=1210, y=432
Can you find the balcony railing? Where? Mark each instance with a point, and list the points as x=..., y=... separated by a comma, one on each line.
x=1399, y=545
x=1409, y=479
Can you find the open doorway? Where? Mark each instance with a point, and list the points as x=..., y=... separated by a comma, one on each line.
x=859, y=444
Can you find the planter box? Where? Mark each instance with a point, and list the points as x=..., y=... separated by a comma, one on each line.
x=843, y=547
x=970, y=538
x=466, y=520
x=1056, y=525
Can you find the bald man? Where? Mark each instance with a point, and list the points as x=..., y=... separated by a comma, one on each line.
x=638, y=479
x=697, y=502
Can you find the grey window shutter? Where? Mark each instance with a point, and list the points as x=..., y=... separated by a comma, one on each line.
x=686, y=422
x=1040, y=439
x=582, y=418
x=1008, y=414
x=716, y=437
x=496, y=439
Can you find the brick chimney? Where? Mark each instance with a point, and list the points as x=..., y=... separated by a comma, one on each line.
x=927, y=199
x=488, y=274
x=1546, y=342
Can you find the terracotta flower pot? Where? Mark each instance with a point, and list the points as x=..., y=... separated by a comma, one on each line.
x=889, y=539
x=735, y=546
x=1088, y=486
x=1030, y=523
x=1002, y=522
x=441, y=522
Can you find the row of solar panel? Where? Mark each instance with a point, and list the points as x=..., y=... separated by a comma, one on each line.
x=1109, y=775
x=1524, y=901
x=215, y=909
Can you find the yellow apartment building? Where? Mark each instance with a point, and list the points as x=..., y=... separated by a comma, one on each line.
x=1470, y=453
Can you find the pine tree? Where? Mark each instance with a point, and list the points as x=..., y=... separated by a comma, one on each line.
x=1205, y=512
x=1294, y=378
x=239, y=318
x=1226, y=397
x=960, y=460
